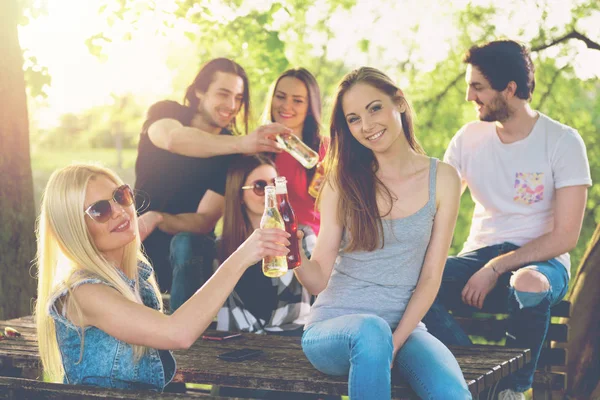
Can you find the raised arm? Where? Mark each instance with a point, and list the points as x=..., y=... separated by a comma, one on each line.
x=136, y=324
x=314, y=273
x=169, y=134
x=448, y=190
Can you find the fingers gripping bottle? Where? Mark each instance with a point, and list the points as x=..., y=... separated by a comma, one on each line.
x=289, y=219
x=273, y=267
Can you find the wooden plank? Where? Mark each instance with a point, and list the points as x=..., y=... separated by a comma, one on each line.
x=550, y=380
x=562, y=309
x=26, y=389
x=494, y=329
x=283, y=365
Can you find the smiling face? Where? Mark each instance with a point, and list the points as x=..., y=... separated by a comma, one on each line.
x=490, y=104
x=290, y=103
x=373, y=118
x=222, y=100
x=113, y=235
x=254, y=203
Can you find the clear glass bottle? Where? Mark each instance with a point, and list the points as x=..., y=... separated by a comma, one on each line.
x=317, y=181
x=298, y=149
x=289, y=219
x=272, y=267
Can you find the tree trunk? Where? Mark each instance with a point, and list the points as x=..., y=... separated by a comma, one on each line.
x=17, y=210
x=583, y=348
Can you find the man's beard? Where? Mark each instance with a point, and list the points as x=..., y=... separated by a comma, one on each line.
x=498, y=110
x=207, y=117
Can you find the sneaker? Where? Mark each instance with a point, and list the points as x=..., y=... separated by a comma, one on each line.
x=509, y=394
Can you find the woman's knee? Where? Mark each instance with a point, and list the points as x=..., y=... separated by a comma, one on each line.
x=373, y=339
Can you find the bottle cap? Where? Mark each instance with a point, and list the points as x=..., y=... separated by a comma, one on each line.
x=280, y=185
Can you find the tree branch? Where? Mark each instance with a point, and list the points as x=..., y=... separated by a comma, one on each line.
x=571, y=35
x=433, y=102
x=550, y=85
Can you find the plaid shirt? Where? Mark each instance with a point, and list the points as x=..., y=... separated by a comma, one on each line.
x=293, y=304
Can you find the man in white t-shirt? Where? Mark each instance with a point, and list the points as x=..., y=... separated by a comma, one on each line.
x=528, y=176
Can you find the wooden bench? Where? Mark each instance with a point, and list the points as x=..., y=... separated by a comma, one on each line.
x=27, y=389
x=550, y=378
x=281, y=367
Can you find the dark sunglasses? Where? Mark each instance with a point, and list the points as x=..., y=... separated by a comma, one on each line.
x=258, y=186
x=101, y=210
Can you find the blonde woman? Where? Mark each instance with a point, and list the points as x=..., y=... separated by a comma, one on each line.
x=99, y=311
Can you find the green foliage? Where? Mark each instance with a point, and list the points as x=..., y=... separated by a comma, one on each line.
x=97, y=127
x=273, y=36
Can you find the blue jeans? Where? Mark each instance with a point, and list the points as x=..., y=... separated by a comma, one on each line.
x=191, y=258
x=360, y=345
x=529, y=313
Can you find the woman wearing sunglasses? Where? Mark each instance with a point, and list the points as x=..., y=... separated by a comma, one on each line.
x=258, y=303
x=99, y=310
x=296, y=104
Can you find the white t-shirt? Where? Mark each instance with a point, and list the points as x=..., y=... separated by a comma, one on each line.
x=513, y=185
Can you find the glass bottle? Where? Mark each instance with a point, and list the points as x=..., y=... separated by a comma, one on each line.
x=272, y=267
x=289, y=219
x=317, y=180
x=298, y=149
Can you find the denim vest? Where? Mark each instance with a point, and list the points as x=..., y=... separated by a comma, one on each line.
x=107, y=361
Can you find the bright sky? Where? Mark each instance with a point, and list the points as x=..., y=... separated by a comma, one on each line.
x=80, y=80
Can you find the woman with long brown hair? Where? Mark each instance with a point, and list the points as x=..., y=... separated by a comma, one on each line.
x=259, y=303
x=296, y=104
x=388, y=214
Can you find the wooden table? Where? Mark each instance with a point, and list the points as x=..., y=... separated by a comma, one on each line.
x=282, y=366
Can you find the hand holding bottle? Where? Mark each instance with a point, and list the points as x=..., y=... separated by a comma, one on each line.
x=273, y=266
x=268, y=242
x=263, y=139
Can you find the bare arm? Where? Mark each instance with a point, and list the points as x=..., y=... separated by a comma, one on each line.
x=147, y=222
x=202, y=221
x=448, y=190
x=169, y=134
x=314, y=274
x=137, y=324
x=569, y=208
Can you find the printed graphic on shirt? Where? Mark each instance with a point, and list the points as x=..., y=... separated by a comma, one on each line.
x=529, y=187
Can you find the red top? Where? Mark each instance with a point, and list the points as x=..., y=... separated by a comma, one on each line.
x=297, y=186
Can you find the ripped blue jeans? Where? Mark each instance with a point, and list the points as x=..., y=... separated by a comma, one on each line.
x=529, y=313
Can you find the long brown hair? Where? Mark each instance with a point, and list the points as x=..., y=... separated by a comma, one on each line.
x=206, y=76
x=311, y=130
x=236, y=224
x=351, y=167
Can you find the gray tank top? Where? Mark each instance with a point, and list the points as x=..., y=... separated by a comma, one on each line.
x=382, y=281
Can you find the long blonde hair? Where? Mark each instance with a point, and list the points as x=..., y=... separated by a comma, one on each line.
x=66, y=255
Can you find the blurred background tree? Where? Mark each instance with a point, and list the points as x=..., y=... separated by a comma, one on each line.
x=419, y=43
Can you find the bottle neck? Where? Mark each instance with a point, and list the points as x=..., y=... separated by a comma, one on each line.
x=270, y=200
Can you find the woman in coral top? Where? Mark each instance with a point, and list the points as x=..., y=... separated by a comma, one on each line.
x=296, y=103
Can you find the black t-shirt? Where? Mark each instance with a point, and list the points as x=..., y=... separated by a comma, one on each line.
x=173, y=183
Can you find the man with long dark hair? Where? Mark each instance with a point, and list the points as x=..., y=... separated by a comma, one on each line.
x=528, y=176
x=183, y=154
